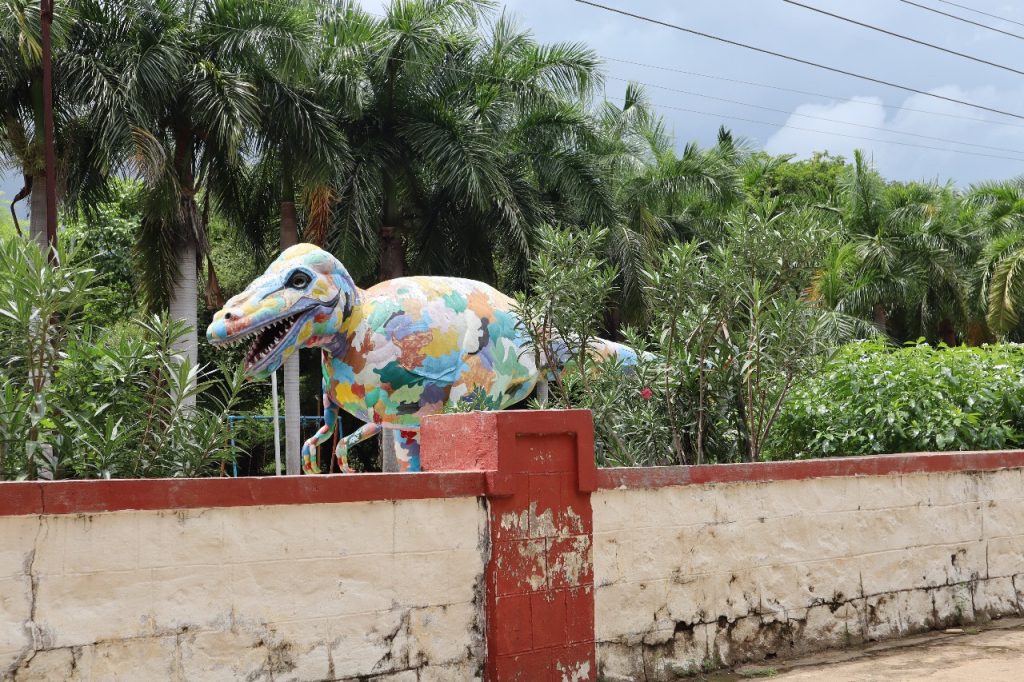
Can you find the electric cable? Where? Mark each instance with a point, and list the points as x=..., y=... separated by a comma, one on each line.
x=822, y=118
x=780, y=88
x=978, y=11
x=963, y=19
x=799, y=60
x=827, y=132
x=768, y=123
x=901, y=36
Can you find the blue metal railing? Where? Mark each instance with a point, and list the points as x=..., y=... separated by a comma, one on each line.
x=232, y=418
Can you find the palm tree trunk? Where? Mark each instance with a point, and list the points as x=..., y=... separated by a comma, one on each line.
x=977, y=333
x=881, y=316
x=184, y=294
x=392, y=248
x=947, y=332
x=392, y=253
x=183, y=299
x=37, y=214
x=292, y=422
x=613, y=322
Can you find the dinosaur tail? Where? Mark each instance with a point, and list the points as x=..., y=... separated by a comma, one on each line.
x=601, y=350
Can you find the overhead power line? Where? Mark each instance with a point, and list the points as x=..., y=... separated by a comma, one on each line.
x=963, y=19
x=821, y=118
x=779, y=88
x=978, y=11
x=799, y=60
x=901, y=36
x=812, y=94
x=829, y=132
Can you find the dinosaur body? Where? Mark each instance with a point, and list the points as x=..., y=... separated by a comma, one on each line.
x=392, y=353
x=416, y=344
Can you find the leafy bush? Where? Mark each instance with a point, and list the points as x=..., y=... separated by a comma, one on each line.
x=104, y=241
x=727, y=332
x=870, y=398
x=85, y=401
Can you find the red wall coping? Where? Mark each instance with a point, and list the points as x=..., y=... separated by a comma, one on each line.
x=795, y=470
x=86, y=497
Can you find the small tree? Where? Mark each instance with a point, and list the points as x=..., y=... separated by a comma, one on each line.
x=571, y=289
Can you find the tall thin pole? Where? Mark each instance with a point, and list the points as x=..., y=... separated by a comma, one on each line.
x=46, y=18
x=277, y=424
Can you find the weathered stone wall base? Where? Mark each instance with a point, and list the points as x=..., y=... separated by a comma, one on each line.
x=389, y=591
x=691, y=578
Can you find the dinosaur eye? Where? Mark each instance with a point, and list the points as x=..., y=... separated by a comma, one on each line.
x=298, y=280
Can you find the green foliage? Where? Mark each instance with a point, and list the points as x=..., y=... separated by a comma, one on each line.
x=571, y=287
x=84, y=401
x=729, y=332
x=816, y=181
x=872, y=398
x=105, y=238
x=7, y=229
x=475, y=401
x=734, y=332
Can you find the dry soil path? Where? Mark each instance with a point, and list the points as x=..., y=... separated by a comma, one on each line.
x=992, y=654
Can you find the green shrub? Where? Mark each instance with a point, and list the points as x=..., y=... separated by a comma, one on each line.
x=104, y=241
x=872, y=398
x=726, y=332
x=79, y=400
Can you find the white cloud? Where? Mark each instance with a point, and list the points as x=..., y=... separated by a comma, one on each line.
x=907, y=162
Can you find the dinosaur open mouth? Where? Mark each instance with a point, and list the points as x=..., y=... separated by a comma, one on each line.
x=269, y=339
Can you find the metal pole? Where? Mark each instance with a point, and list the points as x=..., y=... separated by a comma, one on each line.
x=234, y=456
x=277, y=425
x=46, y=18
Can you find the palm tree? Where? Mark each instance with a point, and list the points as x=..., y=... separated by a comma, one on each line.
x=193, y=104
x=998, y=209
x=463, y=143
x=912, y=251
x=659, y=195
x=85, y=32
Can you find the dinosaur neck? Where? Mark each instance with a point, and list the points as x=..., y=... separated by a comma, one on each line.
x=336, y=336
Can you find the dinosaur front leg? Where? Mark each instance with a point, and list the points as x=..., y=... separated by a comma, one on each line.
x=310, y=465
x=407, y=449
x=358, y=436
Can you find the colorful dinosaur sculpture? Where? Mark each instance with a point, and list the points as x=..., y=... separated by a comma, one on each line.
x=392, y=353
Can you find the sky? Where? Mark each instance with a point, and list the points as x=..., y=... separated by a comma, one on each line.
x=854, y=108
x=793, y=30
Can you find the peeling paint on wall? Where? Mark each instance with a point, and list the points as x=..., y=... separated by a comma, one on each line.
x=697, y=577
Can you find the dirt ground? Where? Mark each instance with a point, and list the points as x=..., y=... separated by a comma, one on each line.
x=993, y=653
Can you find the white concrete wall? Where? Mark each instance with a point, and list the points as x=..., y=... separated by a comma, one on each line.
x=693, y=576
x=298, y=592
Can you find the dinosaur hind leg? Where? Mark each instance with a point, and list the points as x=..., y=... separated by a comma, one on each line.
x=407, y=449
x=310, y=465
x=358, y=436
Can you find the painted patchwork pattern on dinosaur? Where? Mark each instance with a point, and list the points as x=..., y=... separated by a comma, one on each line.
x=416, y=344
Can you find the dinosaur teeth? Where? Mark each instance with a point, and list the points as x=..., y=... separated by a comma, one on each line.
x=268, y=339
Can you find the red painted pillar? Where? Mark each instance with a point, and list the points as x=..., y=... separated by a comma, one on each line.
x=540, y=577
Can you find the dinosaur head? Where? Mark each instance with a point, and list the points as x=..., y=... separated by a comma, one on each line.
x=300, y=301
